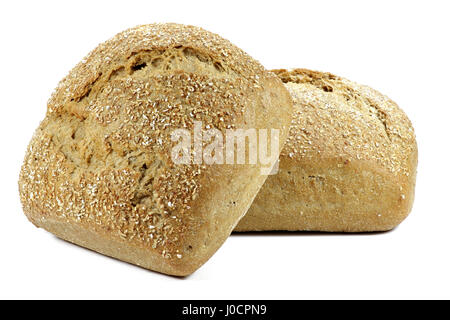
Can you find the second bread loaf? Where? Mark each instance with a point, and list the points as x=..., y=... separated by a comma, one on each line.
x=349, y=164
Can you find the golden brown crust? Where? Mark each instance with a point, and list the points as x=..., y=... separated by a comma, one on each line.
x=123, y=49
x=349, y=163
x=100, y=160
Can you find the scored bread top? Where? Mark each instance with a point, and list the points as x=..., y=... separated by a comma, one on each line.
x=202, y=48
x=337, y=118
x=101, y=157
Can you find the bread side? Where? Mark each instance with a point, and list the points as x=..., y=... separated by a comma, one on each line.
x=98, y=170
x=349, y=164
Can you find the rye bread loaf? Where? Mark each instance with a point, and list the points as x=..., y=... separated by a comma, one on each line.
x=98, y=170
x=349, y=164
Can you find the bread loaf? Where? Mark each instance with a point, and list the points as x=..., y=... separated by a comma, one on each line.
x=349, y=164
x=98, y=171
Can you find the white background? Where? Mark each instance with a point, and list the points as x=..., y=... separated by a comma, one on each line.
x=400, y=48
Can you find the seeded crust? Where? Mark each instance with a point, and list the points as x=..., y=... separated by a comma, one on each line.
x=98, y=171
x=349, y=164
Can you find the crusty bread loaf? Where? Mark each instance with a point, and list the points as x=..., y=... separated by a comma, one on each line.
x=349, y=164
x=98, y=171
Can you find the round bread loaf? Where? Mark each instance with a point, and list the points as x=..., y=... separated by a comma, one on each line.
x=98, y=171
x=349, y=164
